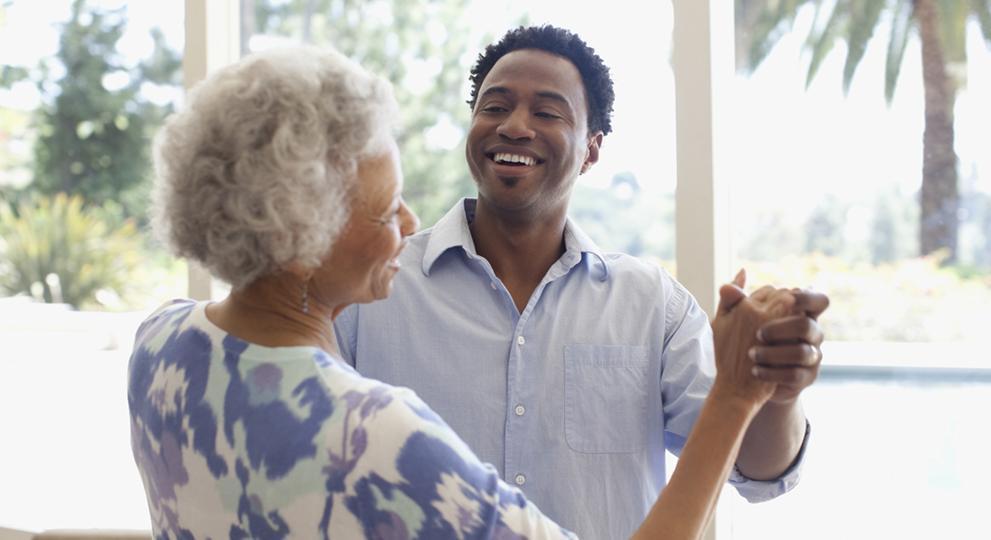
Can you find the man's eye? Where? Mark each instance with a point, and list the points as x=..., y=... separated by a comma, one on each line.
x=493, y=109
x=547, y=115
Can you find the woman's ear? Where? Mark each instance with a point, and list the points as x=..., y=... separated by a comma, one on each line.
x=300, y=271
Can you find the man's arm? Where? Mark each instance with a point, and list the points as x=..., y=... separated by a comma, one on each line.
x=788, y=354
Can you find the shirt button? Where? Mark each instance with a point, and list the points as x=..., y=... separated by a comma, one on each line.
x=519, y=410
x=520, y=479
x=493, y=285
x=521, y=340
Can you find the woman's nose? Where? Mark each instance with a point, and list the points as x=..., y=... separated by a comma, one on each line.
x=410, y=223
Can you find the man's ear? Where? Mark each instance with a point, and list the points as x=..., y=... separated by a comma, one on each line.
x=592, y=151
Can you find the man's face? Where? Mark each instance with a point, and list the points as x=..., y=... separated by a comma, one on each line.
x=529, y=136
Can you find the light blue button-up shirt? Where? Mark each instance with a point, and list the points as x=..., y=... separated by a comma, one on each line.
x=576, y=398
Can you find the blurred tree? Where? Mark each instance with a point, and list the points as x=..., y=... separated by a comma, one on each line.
x=11, y=74
x=95, y=126
x=884, y=234
x=642, y=231
x=824, y=228
x=423, y=47
x=941, y=26
x=975, y=230
x=771, y=237
x=891, y=237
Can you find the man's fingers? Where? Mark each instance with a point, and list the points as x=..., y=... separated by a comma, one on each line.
x=781, y=356
x=811, y=303
x=793, y=377
x=788, y=330
x=763, y=293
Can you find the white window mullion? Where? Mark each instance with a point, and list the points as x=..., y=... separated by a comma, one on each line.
x=702, y=61
x=212, y=41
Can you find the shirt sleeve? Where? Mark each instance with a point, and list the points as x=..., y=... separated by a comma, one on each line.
x=687, y=373
x=346, y=330
x=764, y=490
x=412, y=455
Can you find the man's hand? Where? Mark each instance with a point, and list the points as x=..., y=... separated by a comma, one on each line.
x=734, y=330
x=787, y=352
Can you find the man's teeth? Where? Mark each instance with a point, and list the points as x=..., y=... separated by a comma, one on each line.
x=513, y=158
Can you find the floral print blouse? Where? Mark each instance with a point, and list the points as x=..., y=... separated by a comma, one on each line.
x=235, y=440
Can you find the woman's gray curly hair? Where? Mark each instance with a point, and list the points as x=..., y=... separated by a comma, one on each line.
x=256, y=171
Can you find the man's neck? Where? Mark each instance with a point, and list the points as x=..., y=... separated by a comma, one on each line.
x=520, y=248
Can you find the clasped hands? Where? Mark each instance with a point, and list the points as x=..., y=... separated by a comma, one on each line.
x=767, y=344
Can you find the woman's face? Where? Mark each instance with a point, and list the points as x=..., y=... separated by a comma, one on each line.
x=365, y=258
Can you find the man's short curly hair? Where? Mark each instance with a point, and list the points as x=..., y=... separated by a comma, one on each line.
x=594, y=73
x=256, y=171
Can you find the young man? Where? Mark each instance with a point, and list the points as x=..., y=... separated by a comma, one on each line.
x=571, y=370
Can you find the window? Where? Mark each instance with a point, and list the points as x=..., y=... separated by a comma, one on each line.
x=829, y=190
x=83, y=87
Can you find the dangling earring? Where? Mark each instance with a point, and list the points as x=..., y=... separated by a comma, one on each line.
x=305, y=308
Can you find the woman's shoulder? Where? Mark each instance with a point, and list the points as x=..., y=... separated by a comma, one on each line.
x=398, y=402
x=164, y=317
x=400, y=453
x=394, y=417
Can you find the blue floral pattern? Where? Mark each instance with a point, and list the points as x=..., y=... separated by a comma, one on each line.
x=234, y=440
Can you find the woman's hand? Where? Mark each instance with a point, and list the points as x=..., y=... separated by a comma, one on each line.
x=735, y=334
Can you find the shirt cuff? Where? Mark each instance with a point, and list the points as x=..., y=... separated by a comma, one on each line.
x=764, y=490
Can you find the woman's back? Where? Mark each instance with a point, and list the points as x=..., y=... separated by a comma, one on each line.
x=235, y=440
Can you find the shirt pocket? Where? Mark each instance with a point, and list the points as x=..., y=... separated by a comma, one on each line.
x=605, y=398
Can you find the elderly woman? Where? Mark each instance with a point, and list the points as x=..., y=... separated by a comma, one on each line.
x=281, y=176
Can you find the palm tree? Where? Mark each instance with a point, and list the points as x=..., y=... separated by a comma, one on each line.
x=941, y=28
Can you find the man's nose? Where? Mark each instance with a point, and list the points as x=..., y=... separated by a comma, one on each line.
x=516, y=125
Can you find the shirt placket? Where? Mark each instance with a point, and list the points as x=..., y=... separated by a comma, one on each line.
x=522, y=384
x=518, y=386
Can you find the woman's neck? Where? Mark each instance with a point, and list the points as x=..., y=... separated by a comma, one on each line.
x=272, y=312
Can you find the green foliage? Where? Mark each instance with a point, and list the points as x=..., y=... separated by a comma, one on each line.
x=94, y=141
x=57, y=250
x=11, y=74
x=761, y=23
x=908, y=300
x=423, y=48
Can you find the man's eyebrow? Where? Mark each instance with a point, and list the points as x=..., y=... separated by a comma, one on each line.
x=555, y=96
x=496, y=90
x=545, y=94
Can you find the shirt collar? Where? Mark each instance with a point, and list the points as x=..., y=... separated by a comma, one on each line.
x=452, y=231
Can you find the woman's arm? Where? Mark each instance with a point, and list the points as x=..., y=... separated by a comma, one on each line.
x=686, y=505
